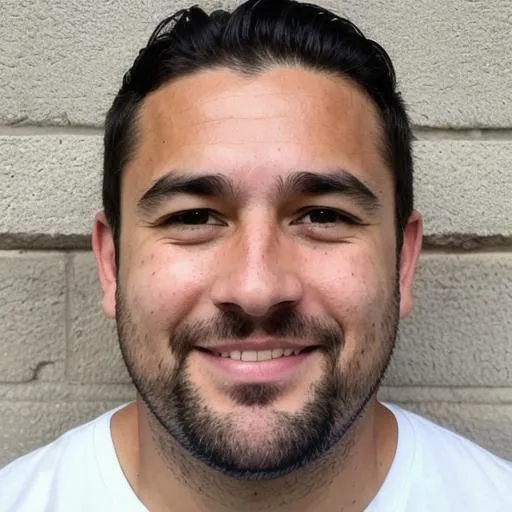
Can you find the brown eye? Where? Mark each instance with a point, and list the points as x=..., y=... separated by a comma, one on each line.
x=326, y=216
x=196, y=217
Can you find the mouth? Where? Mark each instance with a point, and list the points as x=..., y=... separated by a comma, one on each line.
x=278, y=365
x=254, y=356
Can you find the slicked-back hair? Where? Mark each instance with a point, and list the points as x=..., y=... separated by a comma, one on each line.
x=258, y=35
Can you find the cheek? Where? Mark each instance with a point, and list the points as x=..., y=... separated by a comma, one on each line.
x=356, y=292
x=163, y=287
x=350, y=285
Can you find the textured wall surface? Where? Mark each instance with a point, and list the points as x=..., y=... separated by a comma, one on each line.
x=61, y=63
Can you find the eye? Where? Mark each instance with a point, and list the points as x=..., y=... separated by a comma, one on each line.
x=198, y=217
x=326, y=216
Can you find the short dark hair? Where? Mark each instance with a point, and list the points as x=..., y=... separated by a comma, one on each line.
x=252, y=38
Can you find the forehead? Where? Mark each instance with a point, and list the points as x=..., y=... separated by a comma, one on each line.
x=257, y=127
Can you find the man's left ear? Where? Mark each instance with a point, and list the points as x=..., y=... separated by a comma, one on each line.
x=411, y=249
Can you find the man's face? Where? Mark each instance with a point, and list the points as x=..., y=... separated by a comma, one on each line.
x=257, y=216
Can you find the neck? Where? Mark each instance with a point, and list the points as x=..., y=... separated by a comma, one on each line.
x=165, y=478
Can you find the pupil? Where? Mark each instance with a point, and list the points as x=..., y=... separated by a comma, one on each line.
x=323, y=216
x=195, y=217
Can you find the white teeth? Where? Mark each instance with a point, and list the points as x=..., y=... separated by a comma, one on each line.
x=264, y=355
x=249, y=355
x=259, y=355
x=236, y=355
x=277, y=352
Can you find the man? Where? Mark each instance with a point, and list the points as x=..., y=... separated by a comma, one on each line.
x=257, y=249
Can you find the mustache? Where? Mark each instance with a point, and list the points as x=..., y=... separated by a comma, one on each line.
x=236, y=325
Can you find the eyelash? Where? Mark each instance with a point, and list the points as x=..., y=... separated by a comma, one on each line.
x=344, y=217
x=177, y=218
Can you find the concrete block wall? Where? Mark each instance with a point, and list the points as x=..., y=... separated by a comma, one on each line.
x=60, y=67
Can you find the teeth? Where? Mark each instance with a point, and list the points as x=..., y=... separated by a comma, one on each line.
x=259, y=355
x=236, y=355
x=277, y=352
x=264, y=355
x=249, y=355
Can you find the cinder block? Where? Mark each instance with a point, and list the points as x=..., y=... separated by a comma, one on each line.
x=62, y=63
x=93, y=353
x=490, y=426
x=460, y=331
x=72, y=78
x=452, y=58
x=50, y=185
x=25, y=426
x=450, y=394
x=65, y=391
x=464, y=187
x=32, y=316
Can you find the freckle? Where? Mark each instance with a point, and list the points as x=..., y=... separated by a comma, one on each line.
x=142, y=262
x=363, y=351
x=153, y=273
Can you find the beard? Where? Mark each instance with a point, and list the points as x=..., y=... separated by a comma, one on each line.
x=184, y=419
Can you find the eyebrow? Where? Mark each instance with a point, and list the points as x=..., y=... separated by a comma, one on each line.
x=174, y=183
x=338, y=181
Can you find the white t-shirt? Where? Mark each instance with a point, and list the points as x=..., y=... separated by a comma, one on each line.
x=434, y=470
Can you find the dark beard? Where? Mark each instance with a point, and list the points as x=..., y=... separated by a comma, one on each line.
x=336, y=400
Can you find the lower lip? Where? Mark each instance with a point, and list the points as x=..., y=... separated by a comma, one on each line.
x=272, y=370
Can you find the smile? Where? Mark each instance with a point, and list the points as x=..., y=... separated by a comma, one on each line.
x=254, y=356
x=258, y=366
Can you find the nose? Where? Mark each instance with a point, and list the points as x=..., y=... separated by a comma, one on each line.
x=257, y=275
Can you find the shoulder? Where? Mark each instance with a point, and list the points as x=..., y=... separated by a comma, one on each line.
x=458, y=469
x=28, y=483
x=447, y=442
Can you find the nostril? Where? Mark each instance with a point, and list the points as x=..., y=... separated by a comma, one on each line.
x=231, y=308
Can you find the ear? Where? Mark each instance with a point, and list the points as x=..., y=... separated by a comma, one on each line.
x=104, y=252
x=411, y=249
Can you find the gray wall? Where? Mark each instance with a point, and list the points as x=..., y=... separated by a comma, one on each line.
x=60, y=65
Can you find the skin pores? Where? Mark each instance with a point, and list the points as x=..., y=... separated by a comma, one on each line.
x=262, y=252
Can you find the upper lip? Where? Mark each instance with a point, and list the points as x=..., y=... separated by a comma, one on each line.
x=268, y=344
